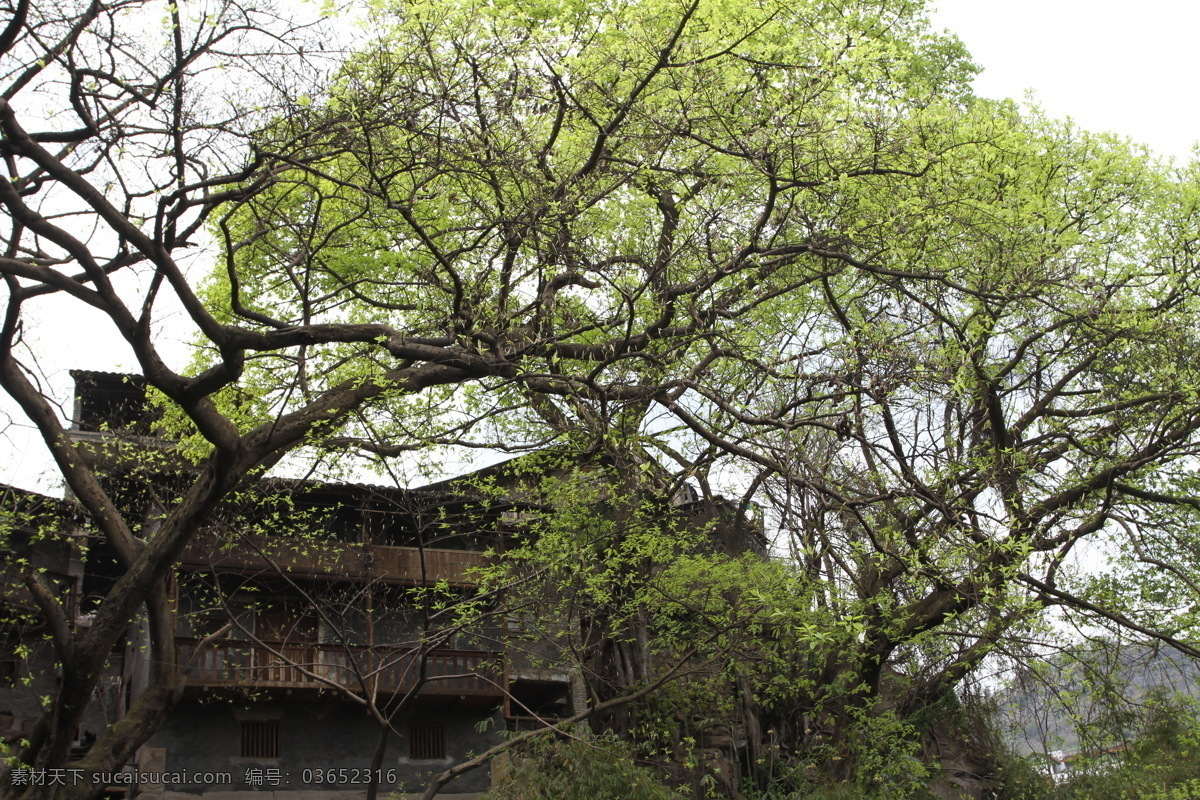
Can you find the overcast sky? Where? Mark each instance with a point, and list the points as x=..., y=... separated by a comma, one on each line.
x=1114, y=65
x=1121, y=66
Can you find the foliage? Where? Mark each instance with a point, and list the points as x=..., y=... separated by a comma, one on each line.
x=1160, y=763
x=770, y=249
x=604, y=769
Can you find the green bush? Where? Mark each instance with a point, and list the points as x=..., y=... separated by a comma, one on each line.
x=592, y=769
x=1162, y=763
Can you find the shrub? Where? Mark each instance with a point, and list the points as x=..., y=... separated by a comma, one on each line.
x=592, y=769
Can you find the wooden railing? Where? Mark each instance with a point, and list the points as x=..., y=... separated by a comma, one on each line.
x=384, y=669
x=264, y=554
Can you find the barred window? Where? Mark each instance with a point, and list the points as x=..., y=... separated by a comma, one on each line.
x=10, y=661
x=426, y=742
x=10, y=670
x=260, y=738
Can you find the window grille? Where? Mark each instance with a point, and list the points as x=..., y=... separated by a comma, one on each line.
x=426, y=742
x=10, y=670
x=260, y=738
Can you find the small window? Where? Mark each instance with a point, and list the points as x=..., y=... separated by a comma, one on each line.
x=10, y=662
x=426, y=742
x=260, y=738
x=10, y=670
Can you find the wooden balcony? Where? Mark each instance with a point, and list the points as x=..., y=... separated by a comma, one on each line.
x=471, y=673
x=315, y=558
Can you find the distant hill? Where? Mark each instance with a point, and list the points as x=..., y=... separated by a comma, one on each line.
x=1091, y=699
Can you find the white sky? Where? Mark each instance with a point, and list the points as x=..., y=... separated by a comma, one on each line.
x=1111, y=65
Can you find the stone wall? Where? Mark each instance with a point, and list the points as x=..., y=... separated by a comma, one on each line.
x=325, y=745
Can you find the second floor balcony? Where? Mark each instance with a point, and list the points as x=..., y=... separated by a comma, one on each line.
x=333, y=559
x=386, y=670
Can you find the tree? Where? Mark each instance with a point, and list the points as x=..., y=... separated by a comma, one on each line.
x=607, y=205
x=950, y=341
x=943, y=342
x=1011, y=366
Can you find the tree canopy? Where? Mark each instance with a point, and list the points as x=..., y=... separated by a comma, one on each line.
x=775, y=250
